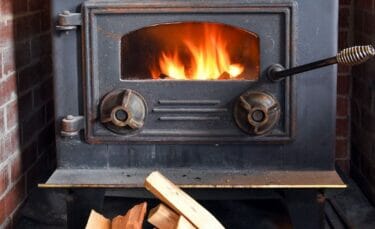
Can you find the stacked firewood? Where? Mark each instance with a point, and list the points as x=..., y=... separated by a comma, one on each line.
x=133, y=219
x=177, y=210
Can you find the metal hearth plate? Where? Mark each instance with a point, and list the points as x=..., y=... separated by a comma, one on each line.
x=197, y=178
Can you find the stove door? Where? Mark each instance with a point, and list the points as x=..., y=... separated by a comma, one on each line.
x=147, y=77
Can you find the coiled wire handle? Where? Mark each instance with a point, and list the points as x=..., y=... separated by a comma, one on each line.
x=355, y=55
x=349, y=56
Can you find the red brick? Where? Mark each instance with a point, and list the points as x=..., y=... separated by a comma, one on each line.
x=8, y=224
x=6, y=32
x=6, y=7
x=15, y=196
x=357, y=70
x=343, y=39
x=7, y=89
x=28, y=26
x=2, y=211
x=9, y=60
x=22, y=53
x=41, y=45
x=343, y=83
x=35, y=5
x=37, y=173
x=355, y=111
x=342, y=106
x=24, y=43
x=368, y=120
x=341, y=148
x=16, y=168
x=344, y=16
x=2, y=122
x=362, y=92
x=25, y=106
x=12, y=114
x=46, y=20
x=22, y=28
x=46, y=68
x=43, y=93
x=29, y=76
x=35, y=23
x=2, y=150
x=345, y=2
x=11, y=142
x=344, y=69
x=368, y=69
x=4, y=180
x=19, y=6
x=23, y=161
x=364, y=4
x=342, y=127
x=32, y=125
x=369, y=18
x=1, y=65
x=358, y=21
x=46, y=138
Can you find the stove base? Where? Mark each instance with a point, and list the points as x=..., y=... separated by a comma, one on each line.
x=305, y=207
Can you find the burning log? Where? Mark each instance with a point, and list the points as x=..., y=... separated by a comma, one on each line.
x=224, y=76
x=164, y=76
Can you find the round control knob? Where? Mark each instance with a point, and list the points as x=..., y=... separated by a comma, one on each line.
x=256, y=112
x=123, y=111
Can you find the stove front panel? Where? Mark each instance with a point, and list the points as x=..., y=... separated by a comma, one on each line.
x=291, y=33
x=186, y=111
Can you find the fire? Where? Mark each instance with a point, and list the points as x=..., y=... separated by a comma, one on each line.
x=204, y=59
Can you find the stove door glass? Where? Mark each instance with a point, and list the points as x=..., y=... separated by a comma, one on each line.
x=190, y=51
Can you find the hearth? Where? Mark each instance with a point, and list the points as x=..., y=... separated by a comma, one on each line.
x=193, y=89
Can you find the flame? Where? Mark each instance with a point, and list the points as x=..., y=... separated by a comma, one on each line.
x=207, y=59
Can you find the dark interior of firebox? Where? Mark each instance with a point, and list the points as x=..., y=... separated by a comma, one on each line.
x=190, y=51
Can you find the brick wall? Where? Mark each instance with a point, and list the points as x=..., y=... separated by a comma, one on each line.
x=344, y=88
x=363, y=102
x=26, y=102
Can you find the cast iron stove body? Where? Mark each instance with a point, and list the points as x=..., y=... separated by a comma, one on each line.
x=116, y=123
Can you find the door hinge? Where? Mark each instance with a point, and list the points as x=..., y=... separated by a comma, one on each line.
x=71, y=125
x=68, y=21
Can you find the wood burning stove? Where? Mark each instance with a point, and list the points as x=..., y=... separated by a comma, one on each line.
x=135, y=91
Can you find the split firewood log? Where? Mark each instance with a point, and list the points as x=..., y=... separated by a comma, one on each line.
x=180, y=202
x=163, y=217
x=97, y=221
x=133, y=219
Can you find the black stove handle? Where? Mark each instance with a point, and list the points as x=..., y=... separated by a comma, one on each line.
x=349, y=56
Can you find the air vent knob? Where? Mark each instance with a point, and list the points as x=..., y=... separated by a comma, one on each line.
x=256, y=112
x=123, y=111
